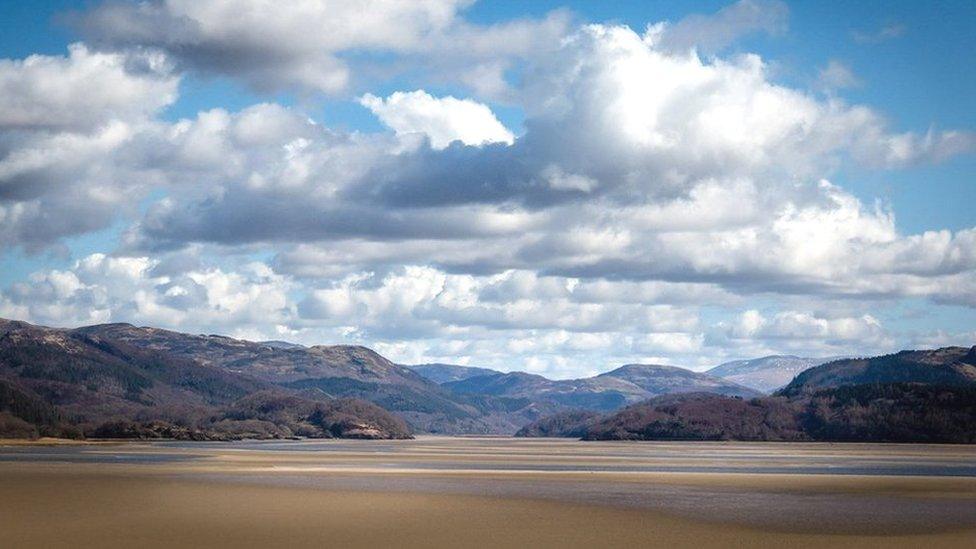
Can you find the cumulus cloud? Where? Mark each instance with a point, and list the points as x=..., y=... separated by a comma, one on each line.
x=447, y=311
x=653, y=199
x=63, y=122
x=513, y=320
x=637, y=165
x=676, y=170
x=417, y=296
x=82, y=90
x=100, y=288
x=303, y=45
x=799, y=325
x=443, y=120
x=269, y=45
x=755, y=333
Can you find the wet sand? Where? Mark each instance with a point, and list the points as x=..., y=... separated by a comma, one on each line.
x=484, y=492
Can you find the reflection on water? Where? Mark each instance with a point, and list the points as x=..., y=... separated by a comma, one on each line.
x=89, y=454
x=507, y=454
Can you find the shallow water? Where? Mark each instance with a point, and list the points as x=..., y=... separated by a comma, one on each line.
x=886, y=489
x=553, y=455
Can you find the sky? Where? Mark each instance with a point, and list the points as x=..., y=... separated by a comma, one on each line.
x=553, y=187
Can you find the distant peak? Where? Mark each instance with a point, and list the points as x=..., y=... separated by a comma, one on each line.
x=643, y=367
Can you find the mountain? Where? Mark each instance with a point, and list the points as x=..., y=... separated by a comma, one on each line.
x=891, y=412
x=341, y=371
x=516, y=384
x=608, y=391
x=85, y=383
x=589, y=393
x=765, y=374
x=317, y=372
x=263, y=361
x=119, y=380
x=911, y=396
x=946, y=366
x=660, y=380
x=445, y=373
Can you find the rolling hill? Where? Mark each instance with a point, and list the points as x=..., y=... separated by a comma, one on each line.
x=445, y=373
x=911, y=396
x=946, y=366
x=607, y=391
x=86, y=383
x=141, y=364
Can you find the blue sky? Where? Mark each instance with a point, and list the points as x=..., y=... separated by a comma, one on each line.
x=922, y=77
x=906, y=63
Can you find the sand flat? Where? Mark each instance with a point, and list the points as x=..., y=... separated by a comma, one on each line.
x=462, y=492
x=70, y=510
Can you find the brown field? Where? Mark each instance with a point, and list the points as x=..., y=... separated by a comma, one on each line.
x=480, y=493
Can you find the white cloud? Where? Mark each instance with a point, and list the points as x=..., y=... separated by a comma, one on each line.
x=63, y=121
x=304, y=45
x=753, y=333
x=711, y=33
x=101, y=288
x=656, y=204
x=442, y=119
x=637, y=164
x=269, y=44
x=514, y=320
x=83, y=90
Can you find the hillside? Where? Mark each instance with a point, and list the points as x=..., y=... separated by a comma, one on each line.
x=608, y=391
x=272, y=362
x=569, y=424
x=86, y=383
x=911, y=396
x=899, y=412
x=701, y=416
x=445, y=373
x=946, y=366
x=661, y=380
x=118, y=380
x=341, y=371
x=225, y=369
x=765, y=374
x=894, y=412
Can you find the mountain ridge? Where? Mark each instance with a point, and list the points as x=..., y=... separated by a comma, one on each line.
x=104, y=387
x=947, y=366
x=910, y=396
x=767, y=373
x=607, y=391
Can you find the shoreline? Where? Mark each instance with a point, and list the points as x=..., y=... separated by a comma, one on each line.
x=47, y=441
